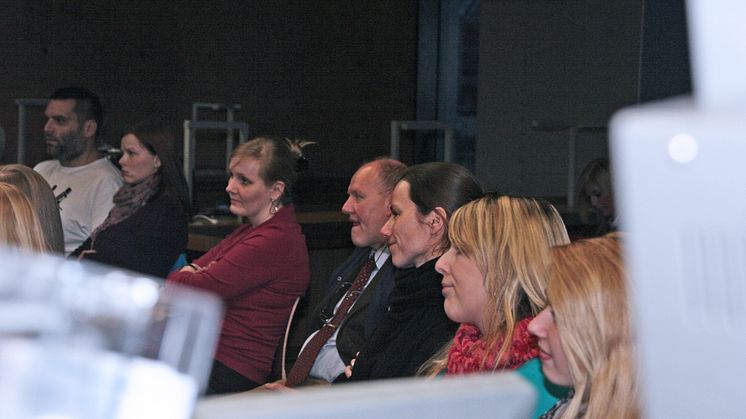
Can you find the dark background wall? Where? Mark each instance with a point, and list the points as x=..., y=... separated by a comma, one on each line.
x=333, y=71
x=564, y=62
x=338, y=72
x=665, y=69
x=568, y=63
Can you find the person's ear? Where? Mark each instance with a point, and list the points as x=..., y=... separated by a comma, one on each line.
x=89, y=128
x=277, y=189
x=387, y=208
x=438, y=220
x=156, y=162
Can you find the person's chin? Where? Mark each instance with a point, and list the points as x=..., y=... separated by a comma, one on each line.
x=448, y=305
x=357, y=236
x=400, y=262
x=53, y=151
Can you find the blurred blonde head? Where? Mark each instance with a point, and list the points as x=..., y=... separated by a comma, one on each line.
x=588, y=293
x=19, y=224
x=33, y=185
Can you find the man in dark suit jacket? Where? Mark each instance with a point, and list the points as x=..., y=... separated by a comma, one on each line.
x=367, y=206
x=362, y=319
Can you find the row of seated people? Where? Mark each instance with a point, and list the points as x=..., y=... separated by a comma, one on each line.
x=444, y=280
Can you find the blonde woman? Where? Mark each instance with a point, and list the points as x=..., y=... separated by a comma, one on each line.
x=37, y=190
x=259, y=269
x=493, y=280
x=19, y=224
x=584, y=333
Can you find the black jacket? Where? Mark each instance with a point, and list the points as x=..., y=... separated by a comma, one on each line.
x=148, y=241
x=415, y=327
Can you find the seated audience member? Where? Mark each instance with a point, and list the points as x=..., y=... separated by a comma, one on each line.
x=147, y=228
x=584, y=332
x=83, y=180
x=258, y=270
x=339, y=336
x=493, y=281
x=37, y=190
x=416, y=325
x=595, y=194
x=19, y=224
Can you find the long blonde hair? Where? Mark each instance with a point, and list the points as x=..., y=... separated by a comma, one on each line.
x=19, y=224
x=509, y=238
x=33, y=185
x=588, y=293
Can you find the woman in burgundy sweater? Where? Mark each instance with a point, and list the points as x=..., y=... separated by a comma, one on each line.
x=259, y=270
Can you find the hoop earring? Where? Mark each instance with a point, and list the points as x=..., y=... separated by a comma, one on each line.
x=273, y=207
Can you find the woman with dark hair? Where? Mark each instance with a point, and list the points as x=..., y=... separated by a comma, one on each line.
x=37, y=190
x=416, y=325
x=147, y=228
x=260, y=269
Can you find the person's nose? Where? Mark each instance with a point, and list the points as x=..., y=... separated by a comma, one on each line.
x=386, y=229
x=230, y=187
x=441, y=266
x=535, y=326
x=347, y=207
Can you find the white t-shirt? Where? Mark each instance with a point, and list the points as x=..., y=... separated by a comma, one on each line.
x=85, y=196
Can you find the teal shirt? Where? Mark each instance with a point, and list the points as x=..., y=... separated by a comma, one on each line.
x=547, y=393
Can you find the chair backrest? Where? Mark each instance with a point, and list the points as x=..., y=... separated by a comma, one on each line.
x=278, y=366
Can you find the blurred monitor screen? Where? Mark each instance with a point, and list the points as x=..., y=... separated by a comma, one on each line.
x=680, y=179
x=500, y=396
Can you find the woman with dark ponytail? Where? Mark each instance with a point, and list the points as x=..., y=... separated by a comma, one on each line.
x=260, y=269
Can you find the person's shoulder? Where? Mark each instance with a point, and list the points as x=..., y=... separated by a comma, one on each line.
x=164, y=210
x=46, y=166
x=103, y=164
x=531, y=370
x=282, y=224
x=168, y=202
x=104, y=171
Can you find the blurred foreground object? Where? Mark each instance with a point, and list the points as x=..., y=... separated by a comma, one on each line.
x=678, y=168
x=498, y=396
x=78, y=340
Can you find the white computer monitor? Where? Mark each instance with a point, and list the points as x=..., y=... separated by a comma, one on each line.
x=500, y=396
x=680, y=179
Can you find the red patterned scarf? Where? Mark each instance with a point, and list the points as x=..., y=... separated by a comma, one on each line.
x=469, y=355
